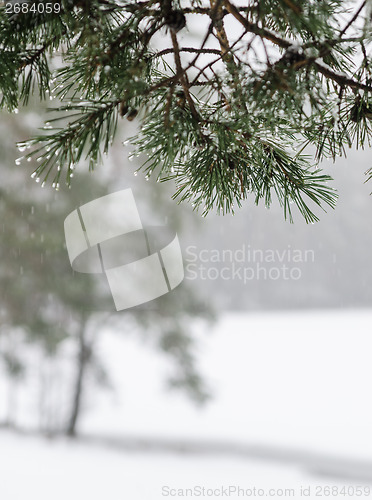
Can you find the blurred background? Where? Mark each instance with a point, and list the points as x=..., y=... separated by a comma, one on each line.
x=255, y=373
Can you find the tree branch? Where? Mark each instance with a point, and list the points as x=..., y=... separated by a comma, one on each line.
x=340, y=78
x=187, y=49
x=355, y=16
x=254, y=28
x=181, y=75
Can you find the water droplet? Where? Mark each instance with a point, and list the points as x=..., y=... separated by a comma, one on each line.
x=29, y=159
x=135, y=174
x=21, y=148
x=33, y=174
x=16, y=111
x=37, y=179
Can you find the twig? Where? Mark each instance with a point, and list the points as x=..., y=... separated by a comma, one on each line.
x=353, y=19
x=254, y=28
x=181, y=75
x=187, y=49
x=343, y=80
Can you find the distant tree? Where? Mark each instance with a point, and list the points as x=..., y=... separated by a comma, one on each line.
x=44, y=303
x=226, y=116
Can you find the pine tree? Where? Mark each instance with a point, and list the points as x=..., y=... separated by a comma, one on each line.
x=45, y=305
x=227, y=115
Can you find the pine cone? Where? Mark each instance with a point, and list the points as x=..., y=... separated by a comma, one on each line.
x=175, y=20
x=132, y=114
x=123, y=110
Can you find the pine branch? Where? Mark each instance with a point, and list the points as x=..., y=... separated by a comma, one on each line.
x=181, y=75
x=340, y=78
x=353, y=19
x=225, y=124
x=191, y=50
x=255, y=29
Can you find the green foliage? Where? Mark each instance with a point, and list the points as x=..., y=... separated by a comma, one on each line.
x=226, y=118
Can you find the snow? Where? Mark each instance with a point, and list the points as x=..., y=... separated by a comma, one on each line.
x=40, y=469
x=292, y=407
x=299, y=380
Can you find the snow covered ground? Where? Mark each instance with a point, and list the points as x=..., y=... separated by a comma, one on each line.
x=39, y=469
x=292, y=408
x=290, y=379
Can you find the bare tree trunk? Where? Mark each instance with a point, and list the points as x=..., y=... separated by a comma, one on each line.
x=83, y=359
